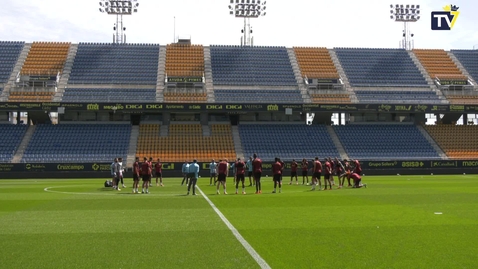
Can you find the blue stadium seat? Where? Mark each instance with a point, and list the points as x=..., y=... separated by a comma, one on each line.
x=379, y=68
x=262, y=96
x=109, y=95
x=78, y=143
x=115, y=64
x=9, y=52
x=384, y=141
x=246, y=66
x=10, y=138
x=287, y=141
x=469, y=60
x=404, y=97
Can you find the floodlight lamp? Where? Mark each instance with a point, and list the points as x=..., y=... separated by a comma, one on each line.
x=231, y=12
x=418, y=11
x=101, y=10
x=408, y=6
x=391, y=6
x=253, y=1
x=418, y=17
x=391, y=17
x=413, y=6
x=391, y=11
x=265, y=2
x=258, y=1
x=242, y=1
x=135, y=10
x=264, y=14
x=101, y=3
x=230, y=7
x=137, y=5
x=418, y=6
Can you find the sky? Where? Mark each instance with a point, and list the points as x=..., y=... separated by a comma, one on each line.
x=337, y=23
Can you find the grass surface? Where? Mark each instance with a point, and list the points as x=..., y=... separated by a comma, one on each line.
x=391, y=224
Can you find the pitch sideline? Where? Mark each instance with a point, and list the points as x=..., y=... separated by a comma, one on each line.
x=262, y=263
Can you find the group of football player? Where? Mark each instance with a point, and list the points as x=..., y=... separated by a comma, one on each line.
x=329, y=169
x=346, y=169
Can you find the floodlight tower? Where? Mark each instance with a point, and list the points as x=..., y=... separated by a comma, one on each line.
x=119, y=8
x=405, y=14
x=247, y=9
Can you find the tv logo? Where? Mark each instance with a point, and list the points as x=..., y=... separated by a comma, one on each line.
x=445, y=20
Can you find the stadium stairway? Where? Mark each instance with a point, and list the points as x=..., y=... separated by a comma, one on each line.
x=133, y=146
x=298, y=76
x=462, y=69
x=342, y=75
x=427, y=77
x=17, y=157
x=206, y=130
x=65, y=76
x=432, y=142
x=161, y=74
x=337, y=143
x=18, y=67
x=237, y=142
x=208, y=75
x=163, y=130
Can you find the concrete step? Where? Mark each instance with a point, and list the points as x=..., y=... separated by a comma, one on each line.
x=17, y=158
x=337, y=143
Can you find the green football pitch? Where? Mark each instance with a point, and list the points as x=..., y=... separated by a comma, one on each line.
x=397, y=222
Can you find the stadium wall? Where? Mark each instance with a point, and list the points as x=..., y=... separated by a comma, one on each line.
x=102, y=170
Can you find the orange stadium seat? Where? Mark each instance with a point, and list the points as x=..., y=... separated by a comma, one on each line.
x=457, y=141
x=46, y=58
x=438, y=64
x=184, y=60
x=315, y=63
x=328, y=98
x=179, y=146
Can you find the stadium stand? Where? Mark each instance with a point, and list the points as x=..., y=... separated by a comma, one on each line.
x=379, y=68
x=248, y=66
x=186, y=142
x=258, y=96
x=46, y=58
x=469, y=60
x=182, y=96
x=286, y=141
x=109, y=95
x=315, y=63
x=10, y=138
x=457, y=141
x=462, y=98
x=184, y=60
x=384, y=142
x=439, y=65
x=103, y=63
x=78, y=143
x=330, y=98
x=9, y=52
x=30, y=96
x=397, y=97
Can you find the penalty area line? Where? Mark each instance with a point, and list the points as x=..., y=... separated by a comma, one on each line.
x=262, y=263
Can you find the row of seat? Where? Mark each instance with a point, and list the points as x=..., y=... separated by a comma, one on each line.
x=315, y=63
x=438, y=64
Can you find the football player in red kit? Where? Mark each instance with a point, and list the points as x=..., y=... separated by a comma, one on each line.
x=317, y=173
x=146, y=170
x=221, y=175
x=136, y=175
x=257, y=169
x=357, y=181
x=327, y=174
x=277, y=168
x=305, y=169
x=240, y=167
x=293, y=172
x=158, y=167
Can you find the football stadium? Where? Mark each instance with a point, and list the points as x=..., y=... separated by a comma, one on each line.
x=405, y=117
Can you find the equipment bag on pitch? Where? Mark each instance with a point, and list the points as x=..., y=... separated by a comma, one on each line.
x=108, y=183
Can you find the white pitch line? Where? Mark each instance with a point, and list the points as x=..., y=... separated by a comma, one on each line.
x=49, y=189
x=262, y=263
